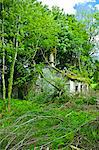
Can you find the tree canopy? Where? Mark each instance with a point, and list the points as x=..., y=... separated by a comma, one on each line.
x=30, y=32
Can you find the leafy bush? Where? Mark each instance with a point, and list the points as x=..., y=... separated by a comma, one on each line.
x=89, y=100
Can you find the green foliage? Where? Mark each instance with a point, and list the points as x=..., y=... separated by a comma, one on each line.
x=51, y=116
x=49, y=125
x=72, y=39
x=28, y=27
x=38, y=31
x=86, y=100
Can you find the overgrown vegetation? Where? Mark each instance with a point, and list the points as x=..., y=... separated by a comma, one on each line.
x=32, y=37
x=56, y=125
x=49, y=78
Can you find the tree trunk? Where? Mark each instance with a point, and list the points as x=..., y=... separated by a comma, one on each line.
x=79, y=62
x=3, y=60
x=52, y=59
x=11, y=78
x=16, y=44
x=3, y=75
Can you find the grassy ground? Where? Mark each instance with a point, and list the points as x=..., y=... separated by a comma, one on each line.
x=68, y=126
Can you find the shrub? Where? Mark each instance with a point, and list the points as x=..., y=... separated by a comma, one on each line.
x=89, y=100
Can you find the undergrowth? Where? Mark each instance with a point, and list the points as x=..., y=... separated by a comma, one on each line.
x=54, y=126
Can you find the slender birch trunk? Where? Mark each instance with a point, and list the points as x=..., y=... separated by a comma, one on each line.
x=3, y=59
x=11, y=77
x=10, y=85
x=3, y=75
